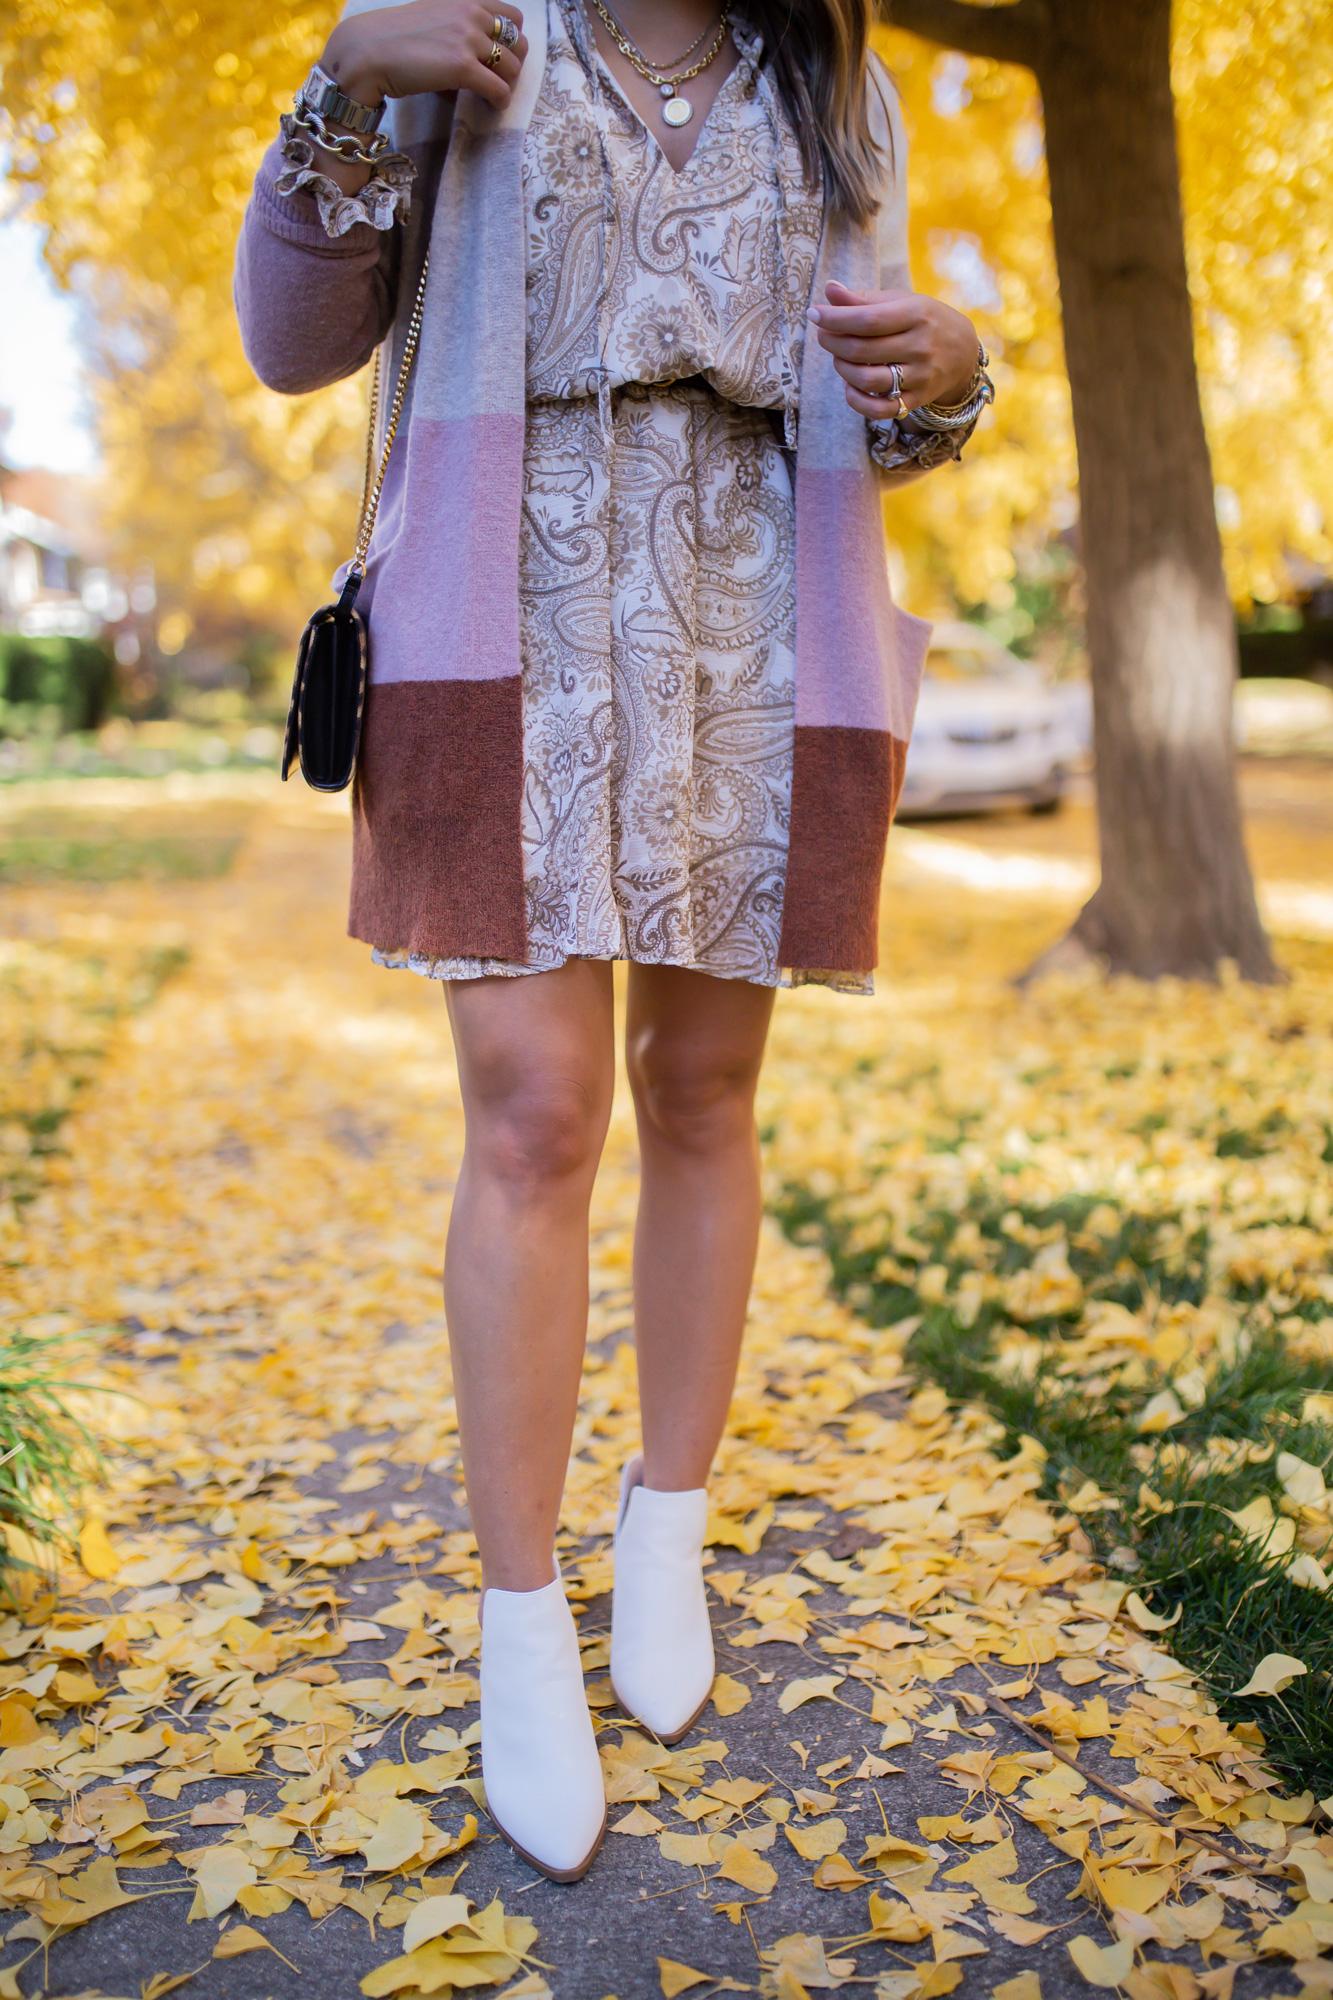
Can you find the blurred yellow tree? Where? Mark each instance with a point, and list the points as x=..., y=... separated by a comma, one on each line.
x=139, y=131
x=140, y=128
x=1254, y=92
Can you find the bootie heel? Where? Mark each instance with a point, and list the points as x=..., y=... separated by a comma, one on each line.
x=539, y=1761
x=661, y=1639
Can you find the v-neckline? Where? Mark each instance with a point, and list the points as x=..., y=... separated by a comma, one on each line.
x=678, y=173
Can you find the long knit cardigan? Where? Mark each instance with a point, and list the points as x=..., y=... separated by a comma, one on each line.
x=437, y=804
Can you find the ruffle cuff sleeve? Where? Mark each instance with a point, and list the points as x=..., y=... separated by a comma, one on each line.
x=892, y=446
x=385, y=199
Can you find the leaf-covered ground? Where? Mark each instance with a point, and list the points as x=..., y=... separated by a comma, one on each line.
x=947, y=1749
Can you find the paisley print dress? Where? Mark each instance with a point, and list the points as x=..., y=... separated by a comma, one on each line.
x=666, y=315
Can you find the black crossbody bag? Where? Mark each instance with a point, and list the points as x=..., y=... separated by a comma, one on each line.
x=329, y=687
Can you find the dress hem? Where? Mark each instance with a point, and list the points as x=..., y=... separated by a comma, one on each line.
x=859, y=983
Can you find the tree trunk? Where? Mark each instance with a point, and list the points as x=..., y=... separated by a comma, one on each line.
x=1176, y=894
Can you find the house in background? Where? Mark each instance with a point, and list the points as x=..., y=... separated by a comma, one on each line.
x=53, y=584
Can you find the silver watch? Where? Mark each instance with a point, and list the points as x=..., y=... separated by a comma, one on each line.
x=320, y=94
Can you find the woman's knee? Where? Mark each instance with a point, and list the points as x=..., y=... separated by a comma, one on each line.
x=536, y=1132
x=696, y=1098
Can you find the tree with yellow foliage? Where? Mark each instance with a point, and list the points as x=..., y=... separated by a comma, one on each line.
x=141, y=132
x=141, y=128
x=1176, y=894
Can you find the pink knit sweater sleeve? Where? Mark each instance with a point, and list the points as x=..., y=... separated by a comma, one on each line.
x=312, y=307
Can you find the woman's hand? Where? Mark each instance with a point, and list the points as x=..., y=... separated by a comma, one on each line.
x=429, y=45
x=867, y=333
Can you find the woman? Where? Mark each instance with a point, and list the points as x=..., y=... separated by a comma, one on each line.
x=637, y=691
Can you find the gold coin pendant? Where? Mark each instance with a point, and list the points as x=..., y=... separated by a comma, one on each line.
x=678, y=112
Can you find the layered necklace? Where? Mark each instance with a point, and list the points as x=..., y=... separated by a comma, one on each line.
x=677, y=110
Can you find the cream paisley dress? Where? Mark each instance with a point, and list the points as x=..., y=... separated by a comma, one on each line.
x=666, y=313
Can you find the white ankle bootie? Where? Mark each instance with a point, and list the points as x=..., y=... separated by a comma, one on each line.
x=543, y=1777
x=661, y=1640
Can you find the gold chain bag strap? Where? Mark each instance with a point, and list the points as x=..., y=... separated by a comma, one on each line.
x=329, y=687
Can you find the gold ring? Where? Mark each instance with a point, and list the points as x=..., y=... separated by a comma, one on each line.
x=493, y=59
x=498, y=30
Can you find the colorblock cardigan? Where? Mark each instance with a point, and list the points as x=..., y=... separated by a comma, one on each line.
x=437, y=858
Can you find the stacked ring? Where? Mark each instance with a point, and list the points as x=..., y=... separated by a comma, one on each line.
x=492, y=60
x=506, y=31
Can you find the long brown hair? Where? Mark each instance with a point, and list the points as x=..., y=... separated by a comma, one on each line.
x=819, y=51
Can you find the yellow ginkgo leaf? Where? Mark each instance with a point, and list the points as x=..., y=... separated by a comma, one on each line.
x=816, y=1687
x=676, y=1978
x=816, y=1843
x=741, y=1864
x=96, y=1553
x=837, y=1872
x=242, y=1938
x=729, y=1696
x=1103, y=1964
x=401, y=1830
x=1301, y=1482
x=220, y=1874
x=1274, y=1672
x=1146, y=1620
x=1308, y=1572
x=1160, y=1413
x=1259, y=1524
x=432, y=1918
x=689, y=1850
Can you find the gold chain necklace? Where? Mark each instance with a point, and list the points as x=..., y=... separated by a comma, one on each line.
x=677, y=110
x=675, y=61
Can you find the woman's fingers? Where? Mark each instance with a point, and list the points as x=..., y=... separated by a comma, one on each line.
x=486, y=20
x=497, y=77
x=875, y=381
x=494, y=80
x=878, y=408
x=868, y=318
x=490, y=85
x=902, y=348
x=934, y=348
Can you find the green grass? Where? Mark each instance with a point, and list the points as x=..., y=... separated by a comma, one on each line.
x=1236, y=1603
x=53, y=847
x=60, y=1000
x=46, y=1455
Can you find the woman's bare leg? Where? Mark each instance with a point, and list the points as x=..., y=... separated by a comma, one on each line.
x=536, y=1063
x=695, y=1045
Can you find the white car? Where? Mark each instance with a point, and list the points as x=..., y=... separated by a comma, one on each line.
x=991, y=730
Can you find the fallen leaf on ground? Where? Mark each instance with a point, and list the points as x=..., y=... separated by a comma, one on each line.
x=433, y=1917
x=227, y=1810
x=240, y=1938
x=730, y=1696
x=816, y=1687
x=1274, y=1672
x=96, y=1553
x=1103, y=1965
x=816, y=1843
x=675, y=1978
x=742, y=1865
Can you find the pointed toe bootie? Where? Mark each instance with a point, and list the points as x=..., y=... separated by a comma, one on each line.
x=543, y=1777
x=661, y=1640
